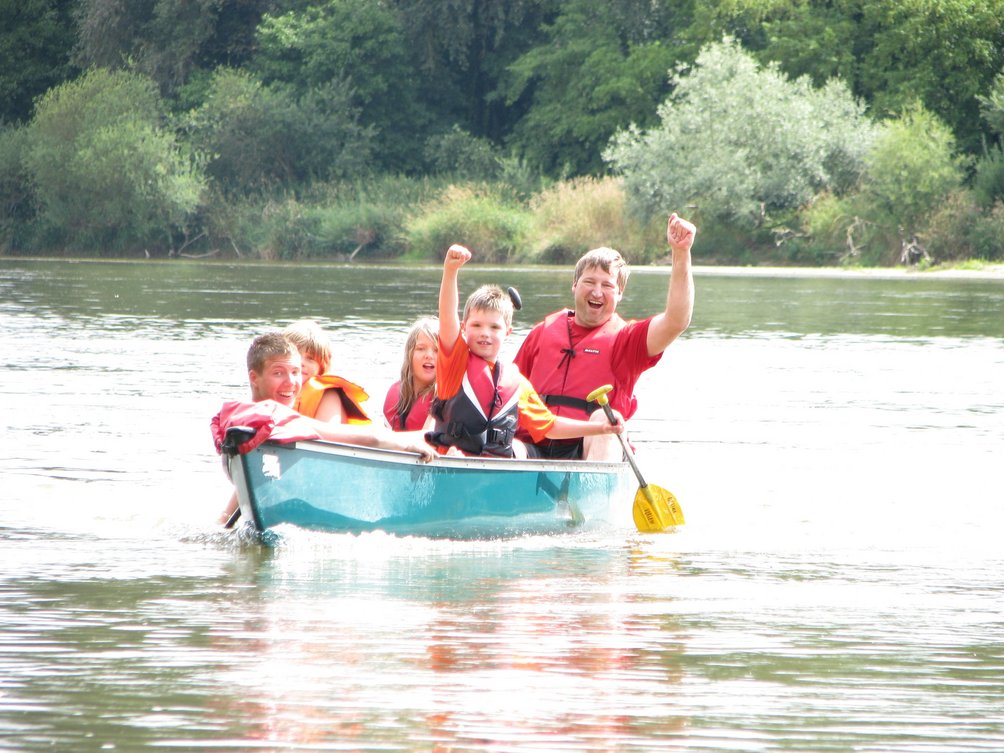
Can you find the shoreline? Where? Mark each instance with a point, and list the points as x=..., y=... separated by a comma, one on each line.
x=987, y=272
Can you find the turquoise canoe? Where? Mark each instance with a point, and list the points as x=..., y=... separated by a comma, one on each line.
x=335, y=487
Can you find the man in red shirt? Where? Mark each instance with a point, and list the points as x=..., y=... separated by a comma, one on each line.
x=572, y=352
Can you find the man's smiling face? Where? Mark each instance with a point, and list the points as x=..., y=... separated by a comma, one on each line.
x=596, y=297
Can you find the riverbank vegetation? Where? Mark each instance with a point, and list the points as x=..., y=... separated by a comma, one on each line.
x=793, y=133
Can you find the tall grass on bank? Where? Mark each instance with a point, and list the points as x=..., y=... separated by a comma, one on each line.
x=480, y=217
x=574, y=216
x=337, y=221
x=416, y=220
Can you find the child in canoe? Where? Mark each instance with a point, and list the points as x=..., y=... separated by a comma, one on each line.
x=480, y=401
x=324, y=396
x=406, y=406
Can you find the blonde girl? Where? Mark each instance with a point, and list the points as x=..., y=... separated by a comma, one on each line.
x=407, y=404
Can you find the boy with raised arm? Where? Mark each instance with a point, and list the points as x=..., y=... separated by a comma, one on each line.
x=480, y=401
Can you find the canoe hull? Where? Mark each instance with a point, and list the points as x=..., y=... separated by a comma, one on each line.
x=335, y=487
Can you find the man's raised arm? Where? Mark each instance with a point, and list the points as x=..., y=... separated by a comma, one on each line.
x=671, y=323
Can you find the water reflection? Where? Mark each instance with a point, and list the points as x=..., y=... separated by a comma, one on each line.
x=508, y=668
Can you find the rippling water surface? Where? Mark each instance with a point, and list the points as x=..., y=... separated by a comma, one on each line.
x=835, y=443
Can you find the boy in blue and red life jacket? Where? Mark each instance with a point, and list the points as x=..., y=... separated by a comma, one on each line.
x=480, y=401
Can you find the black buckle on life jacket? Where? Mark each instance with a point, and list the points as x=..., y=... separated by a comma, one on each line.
x=570, y=402
x=500, y=437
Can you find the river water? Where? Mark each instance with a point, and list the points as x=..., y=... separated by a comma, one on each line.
x=834, y=441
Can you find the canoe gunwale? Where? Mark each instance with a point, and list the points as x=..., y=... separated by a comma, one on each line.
x=502, y=465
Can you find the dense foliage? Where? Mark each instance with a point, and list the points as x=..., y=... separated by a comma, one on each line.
x=794, y=132
x=738, y=141
x=104, y=170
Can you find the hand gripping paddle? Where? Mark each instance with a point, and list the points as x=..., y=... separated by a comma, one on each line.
x=655, y=509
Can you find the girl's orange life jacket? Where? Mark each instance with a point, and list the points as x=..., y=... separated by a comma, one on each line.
x=352, y=396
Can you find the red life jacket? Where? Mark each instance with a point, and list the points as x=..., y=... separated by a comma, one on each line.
x=267, y=418
x=352, y=397
x=563, y=375
x=481, y=419
x=414, y=418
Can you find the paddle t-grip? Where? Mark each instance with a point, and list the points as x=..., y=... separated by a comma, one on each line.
x=599, y=395
x=517, y=302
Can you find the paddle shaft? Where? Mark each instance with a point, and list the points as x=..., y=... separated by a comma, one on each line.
x=627, y=448
x=655, y=509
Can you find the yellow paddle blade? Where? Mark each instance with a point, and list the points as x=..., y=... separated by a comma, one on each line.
x=656, y=509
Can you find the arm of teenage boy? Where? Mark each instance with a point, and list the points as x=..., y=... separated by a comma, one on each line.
x=671, y=323
x=449, y=296
x=374, y=435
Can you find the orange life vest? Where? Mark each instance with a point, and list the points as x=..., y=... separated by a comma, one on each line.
x=352, y=397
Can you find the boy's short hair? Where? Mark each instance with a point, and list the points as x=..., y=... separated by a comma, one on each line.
x=607, y=259
x=308, y=336
x=490, y=298
x=268, y=347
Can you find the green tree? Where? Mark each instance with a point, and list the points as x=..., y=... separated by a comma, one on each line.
x=16, y=201
x=992, y=105
x=602, y=66
x=463, y=48
x=988, y=178
x=263, y=137
x=462, y=155
x=891, y=53
x=741, y=141
x=360, y=42
x=910, y=170
x=105, y=170
x=167, y=39
x=35, y=39
x=942, y=53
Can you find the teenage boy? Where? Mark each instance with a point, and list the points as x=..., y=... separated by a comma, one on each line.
x=275, y=374
x=481, y=401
